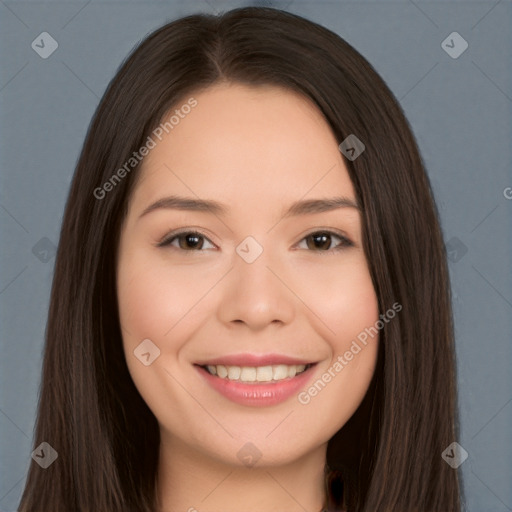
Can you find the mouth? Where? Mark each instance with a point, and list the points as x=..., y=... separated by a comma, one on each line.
x=257, y=386
x=269, y=374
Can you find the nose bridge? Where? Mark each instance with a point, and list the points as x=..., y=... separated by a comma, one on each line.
x=254, y=294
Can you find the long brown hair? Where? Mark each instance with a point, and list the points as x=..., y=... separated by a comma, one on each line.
x=388, y=456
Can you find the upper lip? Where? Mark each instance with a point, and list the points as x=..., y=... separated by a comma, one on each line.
x=254, y=360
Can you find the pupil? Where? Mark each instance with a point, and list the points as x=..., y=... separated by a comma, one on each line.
x=194, y=240
x=325, y=238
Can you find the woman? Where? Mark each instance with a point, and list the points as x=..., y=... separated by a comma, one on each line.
x=250, y=308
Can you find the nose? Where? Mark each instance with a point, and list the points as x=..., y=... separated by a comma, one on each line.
x=257, y=294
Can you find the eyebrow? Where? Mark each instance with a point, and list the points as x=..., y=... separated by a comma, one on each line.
x=301, y=207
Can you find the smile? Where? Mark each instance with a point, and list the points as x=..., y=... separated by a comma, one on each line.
x=269, y=373
x=257, y=386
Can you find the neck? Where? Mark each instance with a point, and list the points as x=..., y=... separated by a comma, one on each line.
x=192, y=481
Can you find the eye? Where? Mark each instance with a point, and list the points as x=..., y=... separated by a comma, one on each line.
x=187, y=241
x=320, y=241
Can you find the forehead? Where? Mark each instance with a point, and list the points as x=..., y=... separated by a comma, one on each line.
x=246, y=145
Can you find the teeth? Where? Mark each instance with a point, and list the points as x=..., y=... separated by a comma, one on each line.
x=248, y=374
x=264, y=373
x=256, y=374
x=222, y=371
x=280, y=372
x=234, y=372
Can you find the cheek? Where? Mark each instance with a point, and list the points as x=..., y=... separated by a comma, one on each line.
x=165, y=303
x=340, y=292
x=353, y=314
x=155, y=297
x=344, y=298
x=156, y=302
x=353, y=306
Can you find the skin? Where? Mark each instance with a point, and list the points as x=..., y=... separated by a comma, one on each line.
x=256, y=150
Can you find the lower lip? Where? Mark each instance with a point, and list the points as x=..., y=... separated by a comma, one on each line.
x=257, y=395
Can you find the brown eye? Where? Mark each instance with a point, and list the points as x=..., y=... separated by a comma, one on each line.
x=321, y=241
x=190, y=241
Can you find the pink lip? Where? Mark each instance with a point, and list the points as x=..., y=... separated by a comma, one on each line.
x=257, y=395
x=254, y=360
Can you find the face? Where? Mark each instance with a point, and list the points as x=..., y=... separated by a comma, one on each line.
x=249, y=287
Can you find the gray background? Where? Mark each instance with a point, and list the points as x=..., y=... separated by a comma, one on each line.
x=459, y=109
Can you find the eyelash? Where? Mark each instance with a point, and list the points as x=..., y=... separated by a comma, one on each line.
x=345, y=242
